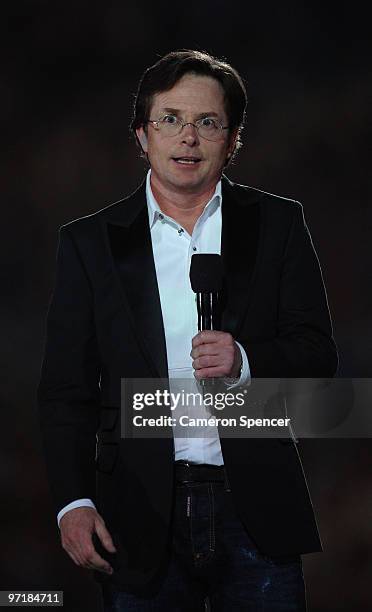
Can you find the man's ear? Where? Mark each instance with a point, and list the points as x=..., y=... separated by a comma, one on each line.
x=232, y=142
x=142, y=138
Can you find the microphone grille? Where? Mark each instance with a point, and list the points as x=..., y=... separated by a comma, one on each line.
x=206, y=273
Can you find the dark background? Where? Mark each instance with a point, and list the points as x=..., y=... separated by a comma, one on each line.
x=69, y=72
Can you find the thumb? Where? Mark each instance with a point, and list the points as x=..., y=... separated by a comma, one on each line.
x=104, y=535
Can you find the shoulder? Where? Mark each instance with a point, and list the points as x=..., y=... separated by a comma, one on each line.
x=91, y=224
x=247, y=193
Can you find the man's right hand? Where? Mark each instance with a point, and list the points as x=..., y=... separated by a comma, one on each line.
x=77, y=527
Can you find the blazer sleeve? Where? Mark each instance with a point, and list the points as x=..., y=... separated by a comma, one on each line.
x=69, y=391
x=304, y=344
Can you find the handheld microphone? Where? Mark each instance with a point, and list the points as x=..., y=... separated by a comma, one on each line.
x=206, y=282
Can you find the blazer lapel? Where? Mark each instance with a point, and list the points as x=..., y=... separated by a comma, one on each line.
x=241, y=234
x=130, y=244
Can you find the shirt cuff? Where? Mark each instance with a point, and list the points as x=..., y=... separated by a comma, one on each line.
x=78, y=503
x=245, y=373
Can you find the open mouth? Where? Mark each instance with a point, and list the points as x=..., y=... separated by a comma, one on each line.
x=190, y=161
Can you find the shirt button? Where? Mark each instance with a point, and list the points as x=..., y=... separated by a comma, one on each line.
x=180, y=231
x=194, y=249
x=161, y=216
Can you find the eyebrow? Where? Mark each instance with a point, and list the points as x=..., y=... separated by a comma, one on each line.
x=176, y=111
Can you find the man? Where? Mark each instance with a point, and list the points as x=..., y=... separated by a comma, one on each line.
x=171, y=521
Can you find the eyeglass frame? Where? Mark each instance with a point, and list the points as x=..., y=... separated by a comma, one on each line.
x=182, y=124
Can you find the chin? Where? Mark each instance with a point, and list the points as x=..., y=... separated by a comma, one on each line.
x=186, y=180
x=190, y=183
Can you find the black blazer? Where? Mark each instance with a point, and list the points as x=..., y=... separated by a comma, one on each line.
x=105, y=323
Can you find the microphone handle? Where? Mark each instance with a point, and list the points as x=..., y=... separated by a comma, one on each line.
x=208, y=319
x=208, y=311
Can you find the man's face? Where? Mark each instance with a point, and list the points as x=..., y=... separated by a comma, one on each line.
x=191, y=98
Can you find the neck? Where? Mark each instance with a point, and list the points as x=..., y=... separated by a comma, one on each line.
x=185, y=208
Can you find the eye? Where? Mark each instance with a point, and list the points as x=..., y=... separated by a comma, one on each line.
x=171, y=119
x=207, y=122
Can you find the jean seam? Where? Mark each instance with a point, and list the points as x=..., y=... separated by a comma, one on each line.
x=189, y=493
x=211, y=510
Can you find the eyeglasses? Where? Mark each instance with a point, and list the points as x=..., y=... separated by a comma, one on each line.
x=208, y=128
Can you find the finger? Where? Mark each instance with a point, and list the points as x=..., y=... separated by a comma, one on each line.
x=85, y=551
x=105, y=570
x=78, y=555
x=73, y=549
x=214, y=372
x=73, y=557
x=206, y=336
x=204, y=349
x=105, y=536
x=92, y=560
x=206, y=361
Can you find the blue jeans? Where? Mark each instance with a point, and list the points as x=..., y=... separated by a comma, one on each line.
x=213, y=557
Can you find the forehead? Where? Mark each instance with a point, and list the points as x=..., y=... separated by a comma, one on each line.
x=192, y=94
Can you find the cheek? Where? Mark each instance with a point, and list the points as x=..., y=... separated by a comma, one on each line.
x=219, y=156
x=156, y=156
x=161, y=153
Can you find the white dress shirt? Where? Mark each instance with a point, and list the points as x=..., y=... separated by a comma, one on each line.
x=173, y=248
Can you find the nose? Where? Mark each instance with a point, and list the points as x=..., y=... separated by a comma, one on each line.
x=190, y=134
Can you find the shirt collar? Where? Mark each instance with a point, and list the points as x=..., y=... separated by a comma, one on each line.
x=154, y=208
